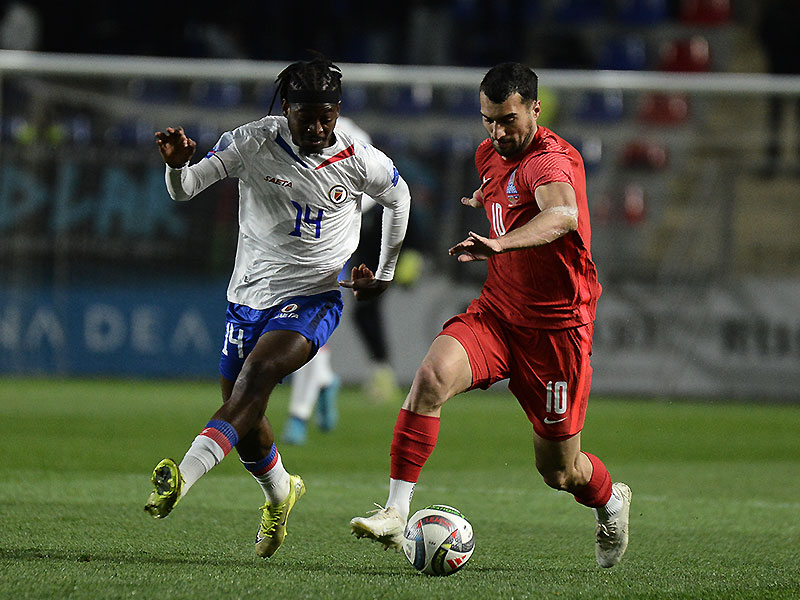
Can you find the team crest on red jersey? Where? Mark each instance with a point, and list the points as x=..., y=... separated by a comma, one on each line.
x=511, y=189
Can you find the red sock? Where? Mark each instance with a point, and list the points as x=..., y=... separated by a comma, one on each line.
x=413, y=442
x=597, y=492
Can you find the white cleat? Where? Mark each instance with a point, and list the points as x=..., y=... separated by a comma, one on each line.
x=612, y=536
x=385, y=526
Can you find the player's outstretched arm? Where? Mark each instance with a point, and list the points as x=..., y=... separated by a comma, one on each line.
x=557, y=217
x=363, y=283
x=475, y=247
x=175, y=147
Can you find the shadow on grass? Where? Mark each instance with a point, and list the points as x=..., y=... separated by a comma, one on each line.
x=163, y=558
x=286, y=565
x=112, y=557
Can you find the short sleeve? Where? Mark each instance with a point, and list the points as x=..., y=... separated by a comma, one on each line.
x=548, y=167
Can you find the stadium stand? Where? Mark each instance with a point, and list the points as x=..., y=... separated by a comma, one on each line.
x=643, y=12
x=603, y=106
x=625, y=53
x=686, y=55
x=706, y=12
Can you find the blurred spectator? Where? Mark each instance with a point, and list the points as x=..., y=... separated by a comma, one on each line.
x=20, y=27
x=424, y=48
x=780, y=24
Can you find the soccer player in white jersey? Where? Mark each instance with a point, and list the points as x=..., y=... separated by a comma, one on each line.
x=316, y=383
x=300, y=191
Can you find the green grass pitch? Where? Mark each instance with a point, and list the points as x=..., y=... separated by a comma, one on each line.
x=715, y=513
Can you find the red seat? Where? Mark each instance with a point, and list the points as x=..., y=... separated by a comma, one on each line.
x=664, y=109
x=626, y=205
x=602, y=209
x=644, y=154
x=686, y=55
x=705, y=12
x=633, y=204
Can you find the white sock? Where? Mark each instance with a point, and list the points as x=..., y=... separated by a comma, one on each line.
x=274, y=483
x=203, y=454
x=400, y=494
x=607, y=512
x=305, y=389
x=325, y=372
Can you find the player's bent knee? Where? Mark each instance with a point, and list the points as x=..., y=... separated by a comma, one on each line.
x=431, y=382
x=558, y=479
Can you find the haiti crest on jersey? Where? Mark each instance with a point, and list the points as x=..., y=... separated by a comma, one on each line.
x=338, y=193
x=511, y=189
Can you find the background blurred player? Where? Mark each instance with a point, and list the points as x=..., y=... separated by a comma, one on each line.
x=316, y=384
x=532, y=323
x=300, y=189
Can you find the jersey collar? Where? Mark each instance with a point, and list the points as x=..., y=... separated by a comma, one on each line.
x=284, y=140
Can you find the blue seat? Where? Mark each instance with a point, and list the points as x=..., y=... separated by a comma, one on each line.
x=461, y=102
x=626, y=53
x=205, y=136
x=591, y=149
x=130, y=133
x=216, y=94
x=643, y=12
x=578, y=11
x=408, y=100
x=155, y=90
x=458, y=145
x=604, y=106
x=395, y=143
x=355, y=98
x=80, y=129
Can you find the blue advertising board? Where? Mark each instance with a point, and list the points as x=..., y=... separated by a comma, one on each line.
x=151, y=330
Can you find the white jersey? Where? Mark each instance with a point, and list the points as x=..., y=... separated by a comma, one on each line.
x=299, y=213
x=349, y=126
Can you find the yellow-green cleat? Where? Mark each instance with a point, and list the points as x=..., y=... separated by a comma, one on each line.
x=168, y=483
x=273, y=519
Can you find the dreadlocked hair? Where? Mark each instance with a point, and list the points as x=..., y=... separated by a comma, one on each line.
x=315, y=81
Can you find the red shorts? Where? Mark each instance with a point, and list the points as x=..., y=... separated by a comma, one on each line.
x=549, y=370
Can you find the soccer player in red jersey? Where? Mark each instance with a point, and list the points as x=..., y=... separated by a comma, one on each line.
x=532, y=323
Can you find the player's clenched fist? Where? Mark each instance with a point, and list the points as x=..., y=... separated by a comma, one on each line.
x=176, y=149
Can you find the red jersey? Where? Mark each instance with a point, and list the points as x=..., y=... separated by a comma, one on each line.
x=552, y=286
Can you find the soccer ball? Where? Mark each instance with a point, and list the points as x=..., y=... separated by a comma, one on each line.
x=438, y=540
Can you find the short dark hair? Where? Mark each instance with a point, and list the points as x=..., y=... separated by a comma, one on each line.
x=317, y=81
x=504, y=79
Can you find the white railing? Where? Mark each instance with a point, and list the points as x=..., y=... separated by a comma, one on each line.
x=94, y=65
